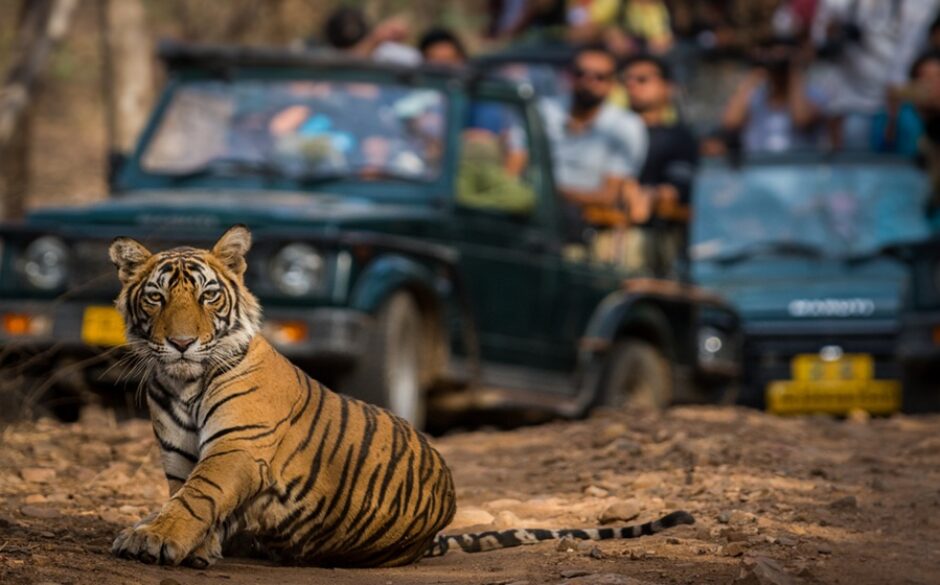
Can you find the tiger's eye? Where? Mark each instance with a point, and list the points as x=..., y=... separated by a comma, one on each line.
x=154, y=297
x=211, y=296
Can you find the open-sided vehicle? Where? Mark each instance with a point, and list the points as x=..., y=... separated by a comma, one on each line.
x=395, y=255
x=799, y=243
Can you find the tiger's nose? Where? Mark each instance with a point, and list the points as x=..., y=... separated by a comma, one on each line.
x=181, y=343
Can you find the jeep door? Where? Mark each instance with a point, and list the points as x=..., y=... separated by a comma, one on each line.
x=509, y=254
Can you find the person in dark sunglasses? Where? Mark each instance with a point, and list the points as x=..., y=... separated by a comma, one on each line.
x=597, y=146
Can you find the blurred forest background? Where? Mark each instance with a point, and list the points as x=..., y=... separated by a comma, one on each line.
x=72, y=120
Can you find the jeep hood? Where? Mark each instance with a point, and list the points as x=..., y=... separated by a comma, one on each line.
x=217, y=210
x=806, y=291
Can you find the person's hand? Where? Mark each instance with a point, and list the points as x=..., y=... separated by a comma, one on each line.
x=639, y=202
x=713, y=146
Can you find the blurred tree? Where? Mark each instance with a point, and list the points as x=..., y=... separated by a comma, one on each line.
x=231, y=21
x=42, y=24
x=127, y=78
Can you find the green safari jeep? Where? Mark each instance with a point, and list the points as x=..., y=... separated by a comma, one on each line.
x=409, y=245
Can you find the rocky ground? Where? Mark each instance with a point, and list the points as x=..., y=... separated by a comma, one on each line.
x=778, y=501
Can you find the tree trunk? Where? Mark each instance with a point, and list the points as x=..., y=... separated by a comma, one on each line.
x=128, y=72
x=42, y=25
x=14, y=168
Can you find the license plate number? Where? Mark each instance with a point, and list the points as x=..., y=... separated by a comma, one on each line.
x=834, y=386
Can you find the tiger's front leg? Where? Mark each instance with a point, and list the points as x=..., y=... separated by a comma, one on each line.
x=207, y=553
x=210, y=551
x=187, y=526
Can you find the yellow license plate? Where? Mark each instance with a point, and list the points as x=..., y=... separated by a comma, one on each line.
x=834, y=397
x=833, y=386
x=813, y=368
x=103, y=326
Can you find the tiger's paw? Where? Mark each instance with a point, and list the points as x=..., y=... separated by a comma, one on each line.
x=149, y=545
x=205, y=554
x=199, y=560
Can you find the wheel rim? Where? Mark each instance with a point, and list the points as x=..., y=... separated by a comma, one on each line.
x=639, y=384
x=403, y=384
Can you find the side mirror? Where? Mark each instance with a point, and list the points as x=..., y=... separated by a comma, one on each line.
x=116, y=162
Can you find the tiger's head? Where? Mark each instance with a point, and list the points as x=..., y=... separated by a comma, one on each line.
x=187, y=310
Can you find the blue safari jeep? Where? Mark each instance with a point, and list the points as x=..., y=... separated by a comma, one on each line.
x=801, y=244
x=397, y=255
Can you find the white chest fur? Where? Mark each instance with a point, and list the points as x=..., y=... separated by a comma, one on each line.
x=174, y=423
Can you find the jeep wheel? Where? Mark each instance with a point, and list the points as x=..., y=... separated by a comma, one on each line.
x=637, y=376
x=390, y=372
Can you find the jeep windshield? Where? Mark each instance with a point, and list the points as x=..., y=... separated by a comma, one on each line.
x=846, y=207
x=306, y=131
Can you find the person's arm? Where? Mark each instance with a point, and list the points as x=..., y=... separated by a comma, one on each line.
x=515, y=146
x=803, y=111
x=635, y=142
x=394, y=29
x=607, y=194
x=639, y=200
x=736, y=112
x=674, y=195
x=920, y=95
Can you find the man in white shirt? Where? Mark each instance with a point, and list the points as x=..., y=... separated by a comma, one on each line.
x=875, y=43
x=598, y=151
x=597, y=146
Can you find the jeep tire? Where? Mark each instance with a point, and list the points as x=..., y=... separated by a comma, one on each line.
x=389, y=373
x=636, y=376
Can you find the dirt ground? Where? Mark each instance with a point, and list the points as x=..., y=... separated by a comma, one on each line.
x=777, y=501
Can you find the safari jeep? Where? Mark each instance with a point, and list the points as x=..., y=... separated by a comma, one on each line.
x=399, y=253
x=800, y=244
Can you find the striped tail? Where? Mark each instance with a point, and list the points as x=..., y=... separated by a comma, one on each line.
x=491, y=540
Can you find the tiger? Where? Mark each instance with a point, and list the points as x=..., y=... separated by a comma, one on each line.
x=252, y=447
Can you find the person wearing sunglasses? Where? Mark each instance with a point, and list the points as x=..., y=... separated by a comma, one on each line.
x=597, y=148
x=659, y=210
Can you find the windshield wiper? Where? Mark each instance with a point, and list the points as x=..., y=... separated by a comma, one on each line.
x=893, y=251
x=770, y=248
x=233, y=166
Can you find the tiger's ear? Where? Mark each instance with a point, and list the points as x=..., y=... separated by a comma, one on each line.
x=232, y=248
x=128, y=255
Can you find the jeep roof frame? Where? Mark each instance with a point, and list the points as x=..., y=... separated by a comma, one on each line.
x=225, y=59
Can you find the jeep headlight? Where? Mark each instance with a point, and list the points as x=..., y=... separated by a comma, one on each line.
x=45, y=263
x=712, y=345
x=298, y=269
